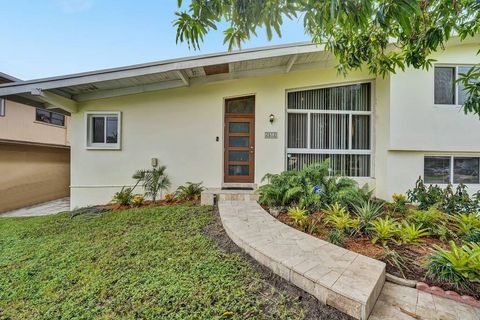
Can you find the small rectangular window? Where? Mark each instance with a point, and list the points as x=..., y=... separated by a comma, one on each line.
x=465, y=170
x=50, y=117
x=437, y=170
x=103, y=130
x=2, y=108
x=445, y=85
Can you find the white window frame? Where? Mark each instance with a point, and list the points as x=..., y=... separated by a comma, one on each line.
x=2, y=107
x=89, y=130
x=452, y=166
x=455, y=66
x=348, y=151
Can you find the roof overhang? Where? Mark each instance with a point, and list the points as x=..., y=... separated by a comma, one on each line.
x=65, y=92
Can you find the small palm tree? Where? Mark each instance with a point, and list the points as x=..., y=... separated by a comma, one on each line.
x=153, y=181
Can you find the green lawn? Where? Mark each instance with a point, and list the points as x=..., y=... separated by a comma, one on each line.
x=134, y=264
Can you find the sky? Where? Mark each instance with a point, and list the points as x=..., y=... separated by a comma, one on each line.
x=43, y=38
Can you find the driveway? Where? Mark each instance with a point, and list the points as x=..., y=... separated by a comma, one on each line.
x=42, y=209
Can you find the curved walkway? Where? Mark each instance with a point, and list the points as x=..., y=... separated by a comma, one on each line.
x=343, y=279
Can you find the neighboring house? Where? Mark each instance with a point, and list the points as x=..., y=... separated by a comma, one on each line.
x=34, y=153
x=228, y=119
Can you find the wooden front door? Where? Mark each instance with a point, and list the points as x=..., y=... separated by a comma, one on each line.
x=239, y=148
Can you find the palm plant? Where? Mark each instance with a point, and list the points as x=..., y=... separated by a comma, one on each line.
x=153, y=181
x=410, y=233
x=190, y=191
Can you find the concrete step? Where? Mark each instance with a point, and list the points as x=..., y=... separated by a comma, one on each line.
x=212, y=196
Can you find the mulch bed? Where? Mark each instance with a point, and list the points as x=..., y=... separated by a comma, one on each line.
x=415, y=254
x=312, y=307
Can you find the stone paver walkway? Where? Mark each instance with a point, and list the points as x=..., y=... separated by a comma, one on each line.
x=42, y=209
x=403, y=303
x=343, y=279
x=337, y=277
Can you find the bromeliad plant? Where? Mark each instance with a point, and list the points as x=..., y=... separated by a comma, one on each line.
x=298, y=215
x=410, y=233
x=458, y=265
x=367, y=211
x=384, y=229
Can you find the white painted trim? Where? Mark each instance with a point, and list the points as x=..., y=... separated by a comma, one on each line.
x=184, y=77
x=158, y=67
x=291, y=62
x=89, y=131
x=329, y=151
x=450, y=65
x=55, y=100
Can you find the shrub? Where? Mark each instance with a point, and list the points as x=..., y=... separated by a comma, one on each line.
x=154, y=181
x=425, y=197
x=336, y=237
x=123, y=197
x=298, y=215
x=399, y=202
x=383, y=229
x=458, y=265
x=427, y=218
x=409, y=233
x=312, y=188
x=446, y=199
x=190, y=191
x=472, y=236
x=467, y=222
x=366, y=212
x=138, y=200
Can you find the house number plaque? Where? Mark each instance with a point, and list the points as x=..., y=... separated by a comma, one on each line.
x=271, y=135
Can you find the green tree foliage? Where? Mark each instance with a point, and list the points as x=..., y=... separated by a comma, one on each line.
x=153, y=180
x=358, y=32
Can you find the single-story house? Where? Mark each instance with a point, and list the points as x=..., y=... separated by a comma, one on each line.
x=227, y=119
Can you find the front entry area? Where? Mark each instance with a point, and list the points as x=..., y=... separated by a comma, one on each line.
x=239, y=140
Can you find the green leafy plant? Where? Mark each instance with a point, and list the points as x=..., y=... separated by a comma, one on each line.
x=169, y=197
x=458, y=265
x=190, y=191
x=472, y=236
x=367, y=211
x=153, y=180
x=384, y=229
x=310, y=226
x=123, y=197
x=399, y=202
x=336, y=237
x=343, y=222
x=410, y=233
x=467, y=222
x=311, y=187
x=427, y=218
x=335, y=209
x=138, y=200
x=298, y=215
x=395, y=259
x=424, y=196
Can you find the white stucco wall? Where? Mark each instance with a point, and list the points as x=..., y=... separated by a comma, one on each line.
x=180, y=126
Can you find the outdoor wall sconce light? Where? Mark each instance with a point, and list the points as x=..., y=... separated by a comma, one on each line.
x=154, y=162
x=271, y=118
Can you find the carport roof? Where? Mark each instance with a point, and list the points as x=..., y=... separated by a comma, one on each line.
x=64, y=92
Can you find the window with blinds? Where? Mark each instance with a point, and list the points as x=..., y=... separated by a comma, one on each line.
x=331, y=123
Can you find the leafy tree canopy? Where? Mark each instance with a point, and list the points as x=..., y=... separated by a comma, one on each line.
x=383, y=35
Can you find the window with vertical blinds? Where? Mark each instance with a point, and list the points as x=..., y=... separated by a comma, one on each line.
x=331, y=123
